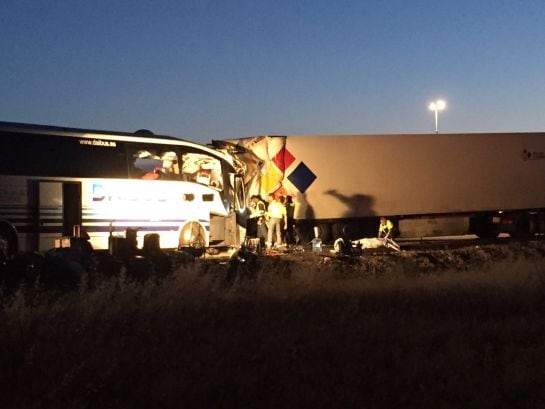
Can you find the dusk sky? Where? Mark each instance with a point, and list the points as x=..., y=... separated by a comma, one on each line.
x=204, y=70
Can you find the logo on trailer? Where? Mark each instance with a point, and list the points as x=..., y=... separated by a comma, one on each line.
x=301, y=177
x=283, y=159
x=528, y=155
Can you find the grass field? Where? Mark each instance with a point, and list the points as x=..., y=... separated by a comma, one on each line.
x=281, y=334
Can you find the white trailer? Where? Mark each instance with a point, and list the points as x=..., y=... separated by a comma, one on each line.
x=429, y=184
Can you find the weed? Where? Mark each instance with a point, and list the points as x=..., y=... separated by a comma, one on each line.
x=443, y=329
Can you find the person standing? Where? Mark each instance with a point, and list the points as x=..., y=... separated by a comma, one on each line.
x=259, y=212
x=277, y=221
x=290, y=216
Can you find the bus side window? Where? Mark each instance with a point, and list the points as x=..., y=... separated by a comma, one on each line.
x=170, y=168
x=145, y=165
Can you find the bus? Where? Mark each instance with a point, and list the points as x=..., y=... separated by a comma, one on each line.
x=58, y=182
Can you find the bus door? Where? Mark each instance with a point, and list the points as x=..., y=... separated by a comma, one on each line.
x=71, y=207
x=59, y=210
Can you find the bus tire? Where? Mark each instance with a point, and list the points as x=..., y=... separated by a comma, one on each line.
x=192, y=239
x=8, y=241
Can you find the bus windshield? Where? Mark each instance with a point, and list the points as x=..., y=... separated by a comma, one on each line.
x=167, y=164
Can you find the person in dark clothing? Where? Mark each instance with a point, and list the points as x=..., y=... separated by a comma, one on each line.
x=290, y=229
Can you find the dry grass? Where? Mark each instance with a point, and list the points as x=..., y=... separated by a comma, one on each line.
x=273, y=333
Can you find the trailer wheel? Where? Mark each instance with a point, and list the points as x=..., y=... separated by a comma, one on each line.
x=8, y=241
x=341, y=230
x=304, y=232
x=525, y=226
x=324, y=231
x=483, y=227
x=541, y=223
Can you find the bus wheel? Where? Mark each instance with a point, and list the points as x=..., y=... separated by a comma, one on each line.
x=8, y=241
x=192, y=239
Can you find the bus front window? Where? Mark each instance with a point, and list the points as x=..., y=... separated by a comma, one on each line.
x=203, y=169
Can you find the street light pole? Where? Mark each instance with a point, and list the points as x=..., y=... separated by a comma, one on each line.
x=437, y=106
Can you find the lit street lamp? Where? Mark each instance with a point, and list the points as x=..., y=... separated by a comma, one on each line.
x=437, y=106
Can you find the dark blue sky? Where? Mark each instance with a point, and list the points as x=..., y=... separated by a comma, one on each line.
x=207, y=70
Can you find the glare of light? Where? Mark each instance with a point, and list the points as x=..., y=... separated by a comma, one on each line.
x=187, y=235
x=437, y=106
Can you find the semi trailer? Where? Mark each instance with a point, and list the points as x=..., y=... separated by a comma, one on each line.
x=427, y=184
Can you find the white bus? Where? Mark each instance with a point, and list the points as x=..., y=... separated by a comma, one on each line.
x=56, y=180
